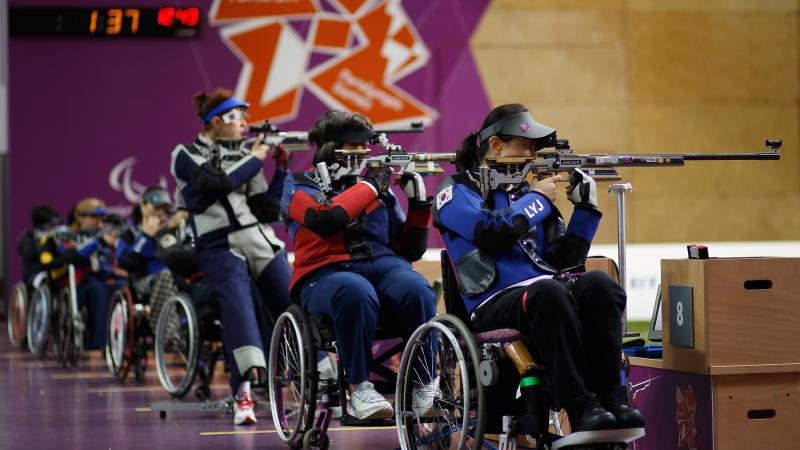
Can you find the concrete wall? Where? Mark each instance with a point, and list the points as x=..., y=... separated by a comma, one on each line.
x=649, y=76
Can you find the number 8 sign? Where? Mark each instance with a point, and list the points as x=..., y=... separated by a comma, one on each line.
x=681, y=332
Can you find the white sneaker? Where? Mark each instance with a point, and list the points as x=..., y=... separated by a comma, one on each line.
x=367, y=403
x=243, y=411
x=422, y=398
x=327, y=371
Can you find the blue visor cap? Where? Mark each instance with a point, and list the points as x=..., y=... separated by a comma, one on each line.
x=523, y=125
x=157, y=197
x=229, y=103
x=95, y=212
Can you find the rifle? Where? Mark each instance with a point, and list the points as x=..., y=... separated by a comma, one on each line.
x=601, y=167
x=230, y=150
x=355, y=162
x=298, y=140
x=292, y=141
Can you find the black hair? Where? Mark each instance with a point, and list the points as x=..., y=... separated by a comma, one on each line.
x=136, y=214
x=43, y=215
x=72, y=216
x=203, y=103
x=470, y=154
x=330, y=122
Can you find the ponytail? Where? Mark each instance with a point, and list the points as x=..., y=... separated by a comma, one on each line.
x=470, y=155
x=327, y=152
x=203, y=103
x=199, y=100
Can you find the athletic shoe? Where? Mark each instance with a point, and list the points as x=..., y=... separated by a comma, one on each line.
x=422, y=398
x=243, y=411
x=366, y=403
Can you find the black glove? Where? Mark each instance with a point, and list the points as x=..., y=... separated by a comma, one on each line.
x=378, y=177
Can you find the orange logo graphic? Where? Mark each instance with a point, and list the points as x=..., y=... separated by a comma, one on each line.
x=373, y=45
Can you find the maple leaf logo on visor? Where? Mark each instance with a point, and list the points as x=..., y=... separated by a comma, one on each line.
x=349, y=59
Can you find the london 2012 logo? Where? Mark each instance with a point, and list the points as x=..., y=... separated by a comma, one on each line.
x=350, y=56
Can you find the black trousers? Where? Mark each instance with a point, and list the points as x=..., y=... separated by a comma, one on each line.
x=575, y=328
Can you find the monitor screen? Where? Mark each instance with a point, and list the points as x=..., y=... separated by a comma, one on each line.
x=655, y=320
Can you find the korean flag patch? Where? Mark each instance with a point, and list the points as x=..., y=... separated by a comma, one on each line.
x=442, y=198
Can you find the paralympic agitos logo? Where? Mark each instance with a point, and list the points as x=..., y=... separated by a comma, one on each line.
x=349, y=59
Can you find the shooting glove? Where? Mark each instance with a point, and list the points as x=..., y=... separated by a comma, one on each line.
x=584, y=189
x=378, y=177
x=413, y=186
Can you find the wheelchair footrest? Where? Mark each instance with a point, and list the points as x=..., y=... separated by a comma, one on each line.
x=622, y=435
x=350, y=421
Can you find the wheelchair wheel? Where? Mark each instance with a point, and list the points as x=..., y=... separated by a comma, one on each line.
x=62, y=327
x=177, y=344
x=140, y=352
x=39, y=315
x=18, y=316
x=313, y=440
x=292, y=376
x=75, y=350
x=443, y=348
x=120, y=334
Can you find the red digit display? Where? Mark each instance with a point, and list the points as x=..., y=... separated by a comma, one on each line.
x=166, y=17
x=188, y=16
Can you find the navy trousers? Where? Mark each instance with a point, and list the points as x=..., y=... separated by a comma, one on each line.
x=355, y=293
x=228, y=277
x=94, y=292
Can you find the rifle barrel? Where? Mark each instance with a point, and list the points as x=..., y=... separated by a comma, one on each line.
x=732, y=156
x=449, y=157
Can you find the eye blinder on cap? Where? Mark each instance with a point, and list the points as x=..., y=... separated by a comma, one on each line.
x=234, y=114
x=354, y=136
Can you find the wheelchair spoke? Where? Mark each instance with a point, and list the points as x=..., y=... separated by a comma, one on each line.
x=291, y=359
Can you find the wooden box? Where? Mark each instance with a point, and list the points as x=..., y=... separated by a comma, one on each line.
x=604, y=264
x=724, y=412
x=745, y=315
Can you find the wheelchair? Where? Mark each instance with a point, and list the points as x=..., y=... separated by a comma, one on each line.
x=40, y=315
x=296, y=388
x=128, y=335
x=17, y=315
x=478, y=378
x=70, y=325
x=188, y=341
x=56, y=322
x=188, y=346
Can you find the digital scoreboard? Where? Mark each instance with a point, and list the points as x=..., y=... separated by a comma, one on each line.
x=129, y=22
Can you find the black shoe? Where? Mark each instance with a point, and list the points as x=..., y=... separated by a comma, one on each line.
x=616, y=402
x=591, y=417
